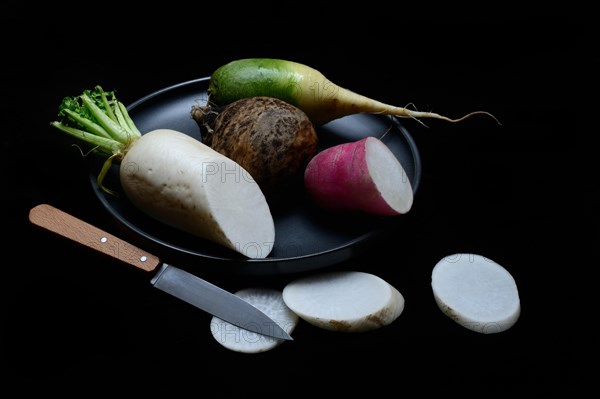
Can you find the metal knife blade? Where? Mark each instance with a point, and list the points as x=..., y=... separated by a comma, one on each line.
x=177, y=282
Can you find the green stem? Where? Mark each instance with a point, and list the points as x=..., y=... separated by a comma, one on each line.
x=115, y=130
x=132, y=127
x=107, y=106
x=91, y=127
x=105, y=145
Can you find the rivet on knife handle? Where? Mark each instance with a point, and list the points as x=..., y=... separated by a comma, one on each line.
x=61, y=223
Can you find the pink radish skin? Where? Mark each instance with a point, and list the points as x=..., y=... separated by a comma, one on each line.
x=359, y=176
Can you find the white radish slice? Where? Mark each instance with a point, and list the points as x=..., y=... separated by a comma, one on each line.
x=476, y=293
x=348, y=301
x=270, y=302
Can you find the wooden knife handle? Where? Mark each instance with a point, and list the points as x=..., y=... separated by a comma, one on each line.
x=68, y=226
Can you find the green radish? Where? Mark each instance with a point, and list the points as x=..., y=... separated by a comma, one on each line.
x=302, y=86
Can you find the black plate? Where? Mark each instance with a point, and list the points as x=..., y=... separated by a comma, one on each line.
x=306, y=237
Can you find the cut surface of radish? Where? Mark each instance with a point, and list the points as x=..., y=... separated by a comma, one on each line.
x=389, y=176
x=476, y=293
x=270, y=302
x=348, y=301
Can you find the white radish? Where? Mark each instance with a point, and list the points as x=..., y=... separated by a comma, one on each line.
x=171, y=176
x=363, y=175
x=182, y=182
x=347, y=301
x=476, y=293
x=270, y=302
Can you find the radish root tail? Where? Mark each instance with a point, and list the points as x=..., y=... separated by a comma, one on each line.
x=471, y=114
x=411, y=111
x=417, y=114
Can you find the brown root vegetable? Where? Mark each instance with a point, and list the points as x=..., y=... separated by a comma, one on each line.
x=270, y=138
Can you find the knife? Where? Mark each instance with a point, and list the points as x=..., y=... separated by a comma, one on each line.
x=177, y=282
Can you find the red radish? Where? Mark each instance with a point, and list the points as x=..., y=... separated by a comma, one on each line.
x=363, y=175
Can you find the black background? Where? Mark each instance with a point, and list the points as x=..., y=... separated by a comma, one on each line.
x=74, y=321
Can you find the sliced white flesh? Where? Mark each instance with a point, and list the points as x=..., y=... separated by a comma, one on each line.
x=388, y=176
x=237, y=339
x=476, y=292
x=347, y=301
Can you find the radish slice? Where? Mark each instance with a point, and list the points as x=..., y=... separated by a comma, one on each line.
x=270, y=302
x=476, y=292
x=346, y=301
